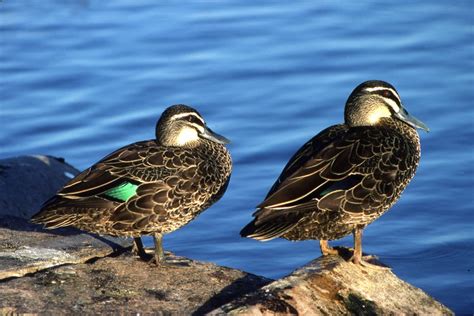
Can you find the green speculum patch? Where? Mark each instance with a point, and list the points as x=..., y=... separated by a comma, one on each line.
x=122, y=192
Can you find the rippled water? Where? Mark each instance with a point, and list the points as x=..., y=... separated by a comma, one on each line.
x=80, y=78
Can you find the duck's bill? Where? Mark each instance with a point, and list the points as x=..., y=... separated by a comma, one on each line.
x=212, y=136
x=411, y=120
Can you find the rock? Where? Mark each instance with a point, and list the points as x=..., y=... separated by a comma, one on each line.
x=332, y=286
x=66, y=271
x=28, y=181
x=26, y=248
x=126, y=285
x=25, y=183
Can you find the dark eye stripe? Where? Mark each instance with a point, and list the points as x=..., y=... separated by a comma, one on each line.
x=389, y=95
x=193, y=119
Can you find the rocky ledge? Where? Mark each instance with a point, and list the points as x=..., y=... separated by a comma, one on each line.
x=67, y=271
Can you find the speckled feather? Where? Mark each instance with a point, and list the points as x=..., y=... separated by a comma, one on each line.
x=343, y=178
x=175, y=184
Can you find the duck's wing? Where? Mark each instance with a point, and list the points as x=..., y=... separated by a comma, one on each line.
x=133, y=182
x=138, y=163
x=354, y=172
x=306, y=152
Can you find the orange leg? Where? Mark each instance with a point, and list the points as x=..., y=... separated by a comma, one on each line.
x=326, y=249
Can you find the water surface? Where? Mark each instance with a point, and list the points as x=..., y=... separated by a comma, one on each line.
x=81, y=78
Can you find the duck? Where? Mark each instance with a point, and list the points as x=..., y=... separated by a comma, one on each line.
x=150, y=187
x=346, y=176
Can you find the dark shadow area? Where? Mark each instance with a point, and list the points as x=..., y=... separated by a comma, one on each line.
x=169, y=261
x=21, y=224
x=28, y=181
x=15, y=223
x=346, y=254
x=117, y=253
x=115, y=247
x=236, y=289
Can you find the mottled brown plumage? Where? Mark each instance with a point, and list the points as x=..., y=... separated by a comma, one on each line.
x=170, y=181
x=346, y=176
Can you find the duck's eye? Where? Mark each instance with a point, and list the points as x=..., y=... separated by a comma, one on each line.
x=387, y=94
x=193, y=119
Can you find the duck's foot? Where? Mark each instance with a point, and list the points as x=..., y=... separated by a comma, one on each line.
x=168, y=262
x=326, y=249
x=363, y=260
x=159, y=258
x=368, y=261
x=357, y=257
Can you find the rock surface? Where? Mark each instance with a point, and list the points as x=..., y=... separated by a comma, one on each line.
x=25, y=183
x=26, y=248
x=28, y=181
x=126, y=285
x=66, y=271
x=332, y=286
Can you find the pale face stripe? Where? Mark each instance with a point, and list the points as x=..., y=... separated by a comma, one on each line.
x=390, y=102
x=381, y=89
x=198, y=127
x=393, y=104
x=181, y=115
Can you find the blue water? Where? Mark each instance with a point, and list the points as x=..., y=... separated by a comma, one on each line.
x=80, y=78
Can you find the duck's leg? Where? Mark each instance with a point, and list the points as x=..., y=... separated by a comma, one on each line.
x=159, y=254
x=159, y=258
x=357, y=256
x=139, y=250
x=326, y=249
x=368, y=261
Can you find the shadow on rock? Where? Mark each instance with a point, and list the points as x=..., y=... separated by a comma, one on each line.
x=26, y=182
x=247, y=284
x=22, y=224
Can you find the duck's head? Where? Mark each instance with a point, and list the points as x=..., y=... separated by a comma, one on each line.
x=182, y=126
x=373, y=100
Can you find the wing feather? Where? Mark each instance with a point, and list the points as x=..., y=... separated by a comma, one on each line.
x=352, y=171
x=141, y=162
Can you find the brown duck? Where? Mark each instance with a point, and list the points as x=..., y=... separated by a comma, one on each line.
x=151, y=187
x=346, y=176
